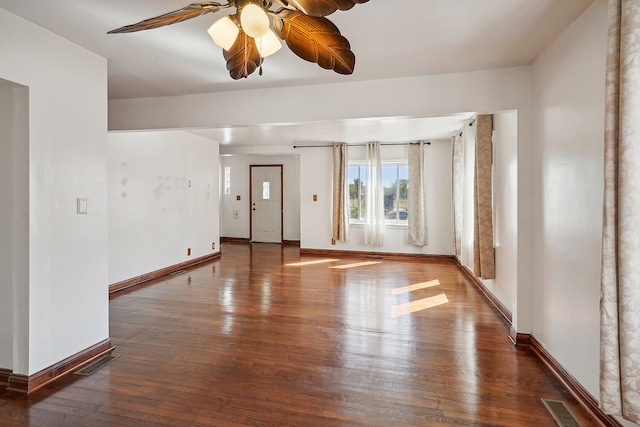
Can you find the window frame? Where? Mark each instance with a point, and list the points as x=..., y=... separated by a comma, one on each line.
x=227, y=180
x=361, y=166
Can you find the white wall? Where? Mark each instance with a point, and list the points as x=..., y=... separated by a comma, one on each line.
x=61, y=304
x=240, y=186
x=155, y=215
x=424, y=96
x=568, y=122
x=316, y=179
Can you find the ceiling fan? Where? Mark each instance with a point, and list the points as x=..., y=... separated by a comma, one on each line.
x=246, y=37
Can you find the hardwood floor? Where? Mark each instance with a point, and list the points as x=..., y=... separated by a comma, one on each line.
x=265, y=337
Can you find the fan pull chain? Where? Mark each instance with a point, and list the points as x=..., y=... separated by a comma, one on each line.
x=246, y=57
x=261, y=59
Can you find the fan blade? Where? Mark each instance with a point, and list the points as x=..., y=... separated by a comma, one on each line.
x=188, y=12
x=243, y=57
x=348, y=4
x=320, y=8
x=315, y=39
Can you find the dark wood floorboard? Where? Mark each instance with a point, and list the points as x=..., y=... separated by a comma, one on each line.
x=264, y=337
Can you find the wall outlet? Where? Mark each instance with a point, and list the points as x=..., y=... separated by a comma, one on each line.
x=188, y=251
x=213, y=246
x=235, y=214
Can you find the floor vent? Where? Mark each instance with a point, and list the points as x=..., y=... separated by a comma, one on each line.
x=177, y=272
x=97, y=364
x=373, y=257
x=561, y=413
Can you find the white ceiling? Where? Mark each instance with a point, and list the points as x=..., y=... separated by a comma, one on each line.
x=397, y=38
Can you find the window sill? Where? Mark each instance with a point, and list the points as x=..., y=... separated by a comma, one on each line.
x=386, y=225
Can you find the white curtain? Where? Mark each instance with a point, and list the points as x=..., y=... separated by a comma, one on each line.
x=457, y=191
x=417, y=221
x=340, y=224
x=467, y=187
x=374, y=201
x=620, y=281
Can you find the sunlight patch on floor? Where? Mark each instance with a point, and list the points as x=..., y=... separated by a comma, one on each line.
x=417, y=305
x=357, y=264
x=415, y=287
x=318, y=261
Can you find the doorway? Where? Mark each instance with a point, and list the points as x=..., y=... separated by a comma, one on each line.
x=14, y=229
x=266, y=203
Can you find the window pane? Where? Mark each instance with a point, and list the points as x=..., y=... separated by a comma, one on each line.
x=390, y=184
x=356, y=190
x=403, y=192
x=265, y=190
x=227, y=180
x=396, y=192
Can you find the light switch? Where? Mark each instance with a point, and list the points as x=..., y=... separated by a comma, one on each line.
x=82, y=206
x=315, y=197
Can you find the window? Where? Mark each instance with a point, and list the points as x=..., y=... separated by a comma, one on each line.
x=357, y=192
x=395, y=179
x=265, y=190
x=227, y=180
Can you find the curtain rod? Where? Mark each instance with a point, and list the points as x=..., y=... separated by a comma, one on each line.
x=470, y=124
x=359, y=145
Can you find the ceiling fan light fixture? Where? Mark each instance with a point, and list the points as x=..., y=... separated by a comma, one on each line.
x=224, y=32
x=246, y=37
x=268, y=44
x=254, y=20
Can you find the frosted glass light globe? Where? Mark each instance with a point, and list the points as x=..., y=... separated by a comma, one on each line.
x=224, y=32
x=268, y=44
x=254, y=20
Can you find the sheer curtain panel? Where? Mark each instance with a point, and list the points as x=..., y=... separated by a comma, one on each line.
x=374, y=209
x=340, y=216
x=417, y=223
x=620, y=277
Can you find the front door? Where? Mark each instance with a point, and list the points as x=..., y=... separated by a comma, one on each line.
x=266, y=203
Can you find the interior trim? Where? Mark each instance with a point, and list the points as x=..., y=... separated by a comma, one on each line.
x=519, y=339
x=579, y=392
x=244, y=240
x=28, y=384
x=134, y=281
x=502, y=309
x=4, y=377
x=380, y=255
x=235, y=240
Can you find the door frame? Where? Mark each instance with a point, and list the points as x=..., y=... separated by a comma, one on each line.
x=281, y=166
